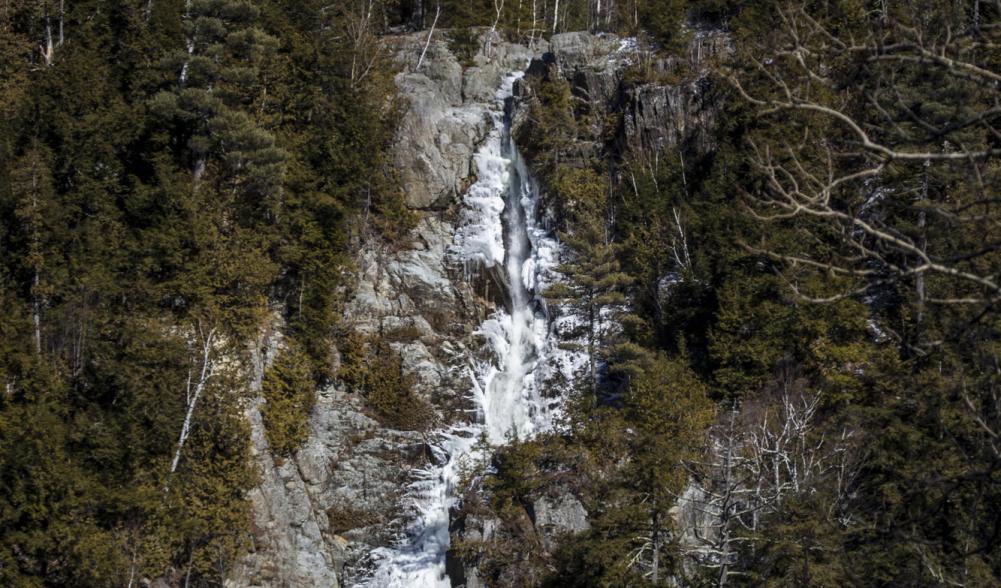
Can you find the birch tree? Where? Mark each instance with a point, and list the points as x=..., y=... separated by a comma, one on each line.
x=201, y=370
x=758, y=459
x=32, y=185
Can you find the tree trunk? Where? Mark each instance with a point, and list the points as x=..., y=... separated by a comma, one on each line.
x=417, y=18
x=437, y=13
x=47, y=50
x=191, y=397
x=919, y=285
x=531, y=42
x=36, y=312
x=498, y=8
x=62, y=15
x=591, y=343
x=36, y=262
x=655, y=540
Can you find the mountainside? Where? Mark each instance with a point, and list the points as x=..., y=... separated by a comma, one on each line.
x=495, y=294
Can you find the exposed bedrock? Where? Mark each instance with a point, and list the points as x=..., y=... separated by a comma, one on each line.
x=320, y=512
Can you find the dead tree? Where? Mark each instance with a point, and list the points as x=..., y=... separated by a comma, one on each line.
x=756, y=462
x=203, y=367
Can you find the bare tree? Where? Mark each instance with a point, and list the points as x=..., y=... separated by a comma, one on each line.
x=850, y=144
x=679, y=243
x=759, y=457
x=366, y=49
x=498, y=9
x=199, y=373
x=437, y=13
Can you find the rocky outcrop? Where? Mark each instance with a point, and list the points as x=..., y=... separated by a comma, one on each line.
x=318, y=514
x=658, y=116
x=299, y=515
x=661, y=101
x=472, y=528
x=539, y=523
x=675, y=107
x=555, y=517
x=593, y=64
x=446, y=118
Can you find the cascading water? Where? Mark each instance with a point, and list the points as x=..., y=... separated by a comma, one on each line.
x=500, y=226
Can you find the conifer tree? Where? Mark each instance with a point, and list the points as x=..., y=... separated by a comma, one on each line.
x=594, y=285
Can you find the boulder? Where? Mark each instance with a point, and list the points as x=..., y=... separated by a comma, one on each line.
x=557, y=516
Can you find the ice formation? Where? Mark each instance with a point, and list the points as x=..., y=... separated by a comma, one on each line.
x=501, y=225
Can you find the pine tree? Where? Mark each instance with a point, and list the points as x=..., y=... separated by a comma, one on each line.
x=289, y=394
x=667, y=407
x=593, y=285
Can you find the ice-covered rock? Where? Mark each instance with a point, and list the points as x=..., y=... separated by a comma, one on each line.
x=321, y=511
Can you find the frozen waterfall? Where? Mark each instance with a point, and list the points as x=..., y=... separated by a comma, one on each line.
x=500, y=226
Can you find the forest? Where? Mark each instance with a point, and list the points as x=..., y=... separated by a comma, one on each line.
x=790, y=318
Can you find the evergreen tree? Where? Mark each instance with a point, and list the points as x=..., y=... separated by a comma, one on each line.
x=289, y=395
x=593, y=285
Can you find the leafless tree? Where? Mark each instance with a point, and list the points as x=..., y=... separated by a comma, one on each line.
x=356, y=26
x=427, y=44
x=202, y=369
x=850, y=144
x=759, y=457
x=679, y=243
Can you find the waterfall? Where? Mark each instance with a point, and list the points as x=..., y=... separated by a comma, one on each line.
x=500, y=225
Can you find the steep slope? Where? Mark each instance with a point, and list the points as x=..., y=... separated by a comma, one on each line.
x=344, y=492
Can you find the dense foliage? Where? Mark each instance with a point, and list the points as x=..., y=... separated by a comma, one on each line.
x=170, y=173
x=825, y=275
x=793, y=334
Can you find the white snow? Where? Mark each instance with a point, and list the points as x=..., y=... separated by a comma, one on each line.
x=628, y=44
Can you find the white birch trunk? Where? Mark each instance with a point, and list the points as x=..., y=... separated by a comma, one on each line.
x=498, y=8
x=47, y=50
x=427, y=44
x=191, y=397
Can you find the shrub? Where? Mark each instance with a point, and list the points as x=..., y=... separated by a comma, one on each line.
x=289, y=394
x=372, y=368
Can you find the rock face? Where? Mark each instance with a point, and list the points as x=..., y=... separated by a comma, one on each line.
x=297, y=519
x=320, y=512
x=679, y=110
x=559, y=516
x=670, y=106
x=593, y=64
x=446, y=120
